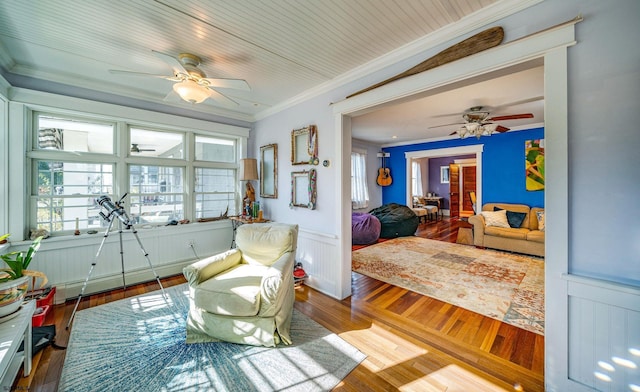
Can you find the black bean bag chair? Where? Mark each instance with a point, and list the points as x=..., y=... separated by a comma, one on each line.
x=397, y=220
x=365, y=228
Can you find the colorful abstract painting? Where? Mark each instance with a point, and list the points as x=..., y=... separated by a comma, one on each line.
x=534, y=164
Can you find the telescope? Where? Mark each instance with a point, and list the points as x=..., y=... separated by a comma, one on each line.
x=113, y=209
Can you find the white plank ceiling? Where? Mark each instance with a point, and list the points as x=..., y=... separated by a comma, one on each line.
x=282, y=48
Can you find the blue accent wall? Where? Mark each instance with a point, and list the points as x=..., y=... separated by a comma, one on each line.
x=503, y=168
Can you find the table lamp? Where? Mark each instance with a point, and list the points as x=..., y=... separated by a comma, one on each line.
x=249, y=172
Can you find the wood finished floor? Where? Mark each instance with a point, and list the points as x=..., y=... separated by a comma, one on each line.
x=412, y=342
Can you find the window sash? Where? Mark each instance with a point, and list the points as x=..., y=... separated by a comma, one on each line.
x=156, y=193
x=215, y=192
x=359, y=188
x=65, y=192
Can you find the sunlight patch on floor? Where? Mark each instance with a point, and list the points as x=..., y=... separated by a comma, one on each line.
x=411, y=367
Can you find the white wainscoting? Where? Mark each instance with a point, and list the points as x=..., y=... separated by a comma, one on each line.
x=318, y=253
x=604, y=334
x=66, y=261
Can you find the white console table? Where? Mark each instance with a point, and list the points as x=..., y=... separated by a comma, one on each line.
x=13, y=332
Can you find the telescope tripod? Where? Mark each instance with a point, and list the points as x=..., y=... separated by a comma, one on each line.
x=110, y=218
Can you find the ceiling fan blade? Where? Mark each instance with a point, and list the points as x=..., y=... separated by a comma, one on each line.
x=237, y=84
x=527, y=100
x=171, y=61
x=120, y=72
x=221, y=98
x=445, y=125
x=512, y=117
x=501, y=129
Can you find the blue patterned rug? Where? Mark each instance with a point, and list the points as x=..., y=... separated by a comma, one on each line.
x=138, y=344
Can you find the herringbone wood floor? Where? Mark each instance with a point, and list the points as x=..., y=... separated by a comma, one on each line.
x=412, y=342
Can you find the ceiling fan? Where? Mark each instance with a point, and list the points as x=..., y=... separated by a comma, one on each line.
x=136, y=148
x=191, y=83
x=478, y=121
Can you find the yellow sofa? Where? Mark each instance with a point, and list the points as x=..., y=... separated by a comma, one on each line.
x=527, y=238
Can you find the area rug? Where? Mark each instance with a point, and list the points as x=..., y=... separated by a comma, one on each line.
x=505, y=286
x=138, y=344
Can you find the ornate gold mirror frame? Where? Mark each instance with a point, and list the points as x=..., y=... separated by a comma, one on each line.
x=304, y=146
x=303, y=189
x=269, y=171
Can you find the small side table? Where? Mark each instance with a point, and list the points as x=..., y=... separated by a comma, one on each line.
x=14, y=331
x=237, y=221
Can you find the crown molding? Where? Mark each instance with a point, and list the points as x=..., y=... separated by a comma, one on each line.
x=469, y=23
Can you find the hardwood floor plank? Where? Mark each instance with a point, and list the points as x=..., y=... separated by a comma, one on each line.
x=413, y=342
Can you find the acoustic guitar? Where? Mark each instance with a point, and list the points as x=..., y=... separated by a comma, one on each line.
x=384, y=175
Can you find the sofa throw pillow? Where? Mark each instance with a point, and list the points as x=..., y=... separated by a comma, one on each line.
x=495, y=218
x=540, y=216
x=514, y=218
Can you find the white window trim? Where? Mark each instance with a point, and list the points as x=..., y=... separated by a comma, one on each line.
x=20, y=116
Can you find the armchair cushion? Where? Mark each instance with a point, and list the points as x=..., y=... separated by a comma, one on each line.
x=235, y=292
x=261, y=245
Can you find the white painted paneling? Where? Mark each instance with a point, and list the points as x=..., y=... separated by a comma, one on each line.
x=67, y=262
x=604, y=335
x=318, y=252
x=281, y=47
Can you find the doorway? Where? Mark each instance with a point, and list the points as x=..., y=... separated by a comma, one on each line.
x=551, y=47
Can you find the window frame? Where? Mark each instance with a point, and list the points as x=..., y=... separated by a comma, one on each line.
x=121, y=159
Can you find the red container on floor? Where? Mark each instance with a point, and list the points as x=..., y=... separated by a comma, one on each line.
x=38, y=319
x=47, y=300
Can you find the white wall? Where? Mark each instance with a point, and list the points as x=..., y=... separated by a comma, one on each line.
x=603, y=94
x=604, y=97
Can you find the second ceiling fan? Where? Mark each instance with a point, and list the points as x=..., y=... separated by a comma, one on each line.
x=191, y=83
x=478, y=121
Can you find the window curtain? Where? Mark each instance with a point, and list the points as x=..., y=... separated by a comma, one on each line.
x=416, y=179
x=359, y=191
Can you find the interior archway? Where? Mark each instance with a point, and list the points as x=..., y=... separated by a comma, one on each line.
x=551, y=46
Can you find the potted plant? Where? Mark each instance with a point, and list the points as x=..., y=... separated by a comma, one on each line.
x=3, y=238
x=14, y=281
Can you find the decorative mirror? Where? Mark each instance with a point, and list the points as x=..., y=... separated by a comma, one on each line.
x=304, y=146
x=269, y=171
x=303, y=189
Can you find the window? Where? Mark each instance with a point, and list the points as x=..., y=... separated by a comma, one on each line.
x=215, y=192
x=444, y=174
x=359, y=190
x=416, y=179
x=66, y=192
x=75, y=160
x=146, y=143
x=156, y=194
x=71, y=166
x=75, y=135
x=215, y=149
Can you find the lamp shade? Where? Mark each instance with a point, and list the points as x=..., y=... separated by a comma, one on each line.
x=191, y=91
x=248, y=169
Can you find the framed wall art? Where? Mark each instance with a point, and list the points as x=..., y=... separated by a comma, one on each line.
x=303, y=189
x=304, y=146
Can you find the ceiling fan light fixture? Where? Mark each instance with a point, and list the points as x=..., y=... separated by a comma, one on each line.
x=476, y=129
x=191, y=91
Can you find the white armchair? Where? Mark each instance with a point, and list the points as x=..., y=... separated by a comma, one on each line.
x=245, y=295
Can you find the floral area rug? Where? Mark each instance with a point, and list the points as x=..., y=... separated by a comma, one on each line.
x=505, y=286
